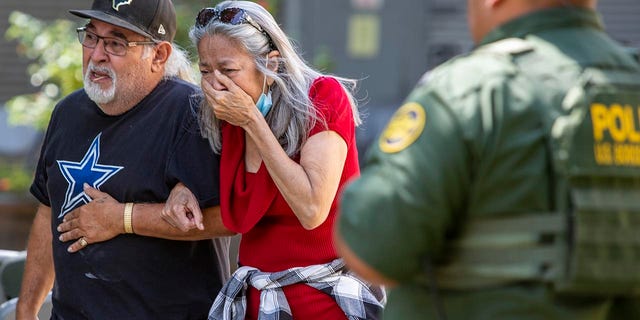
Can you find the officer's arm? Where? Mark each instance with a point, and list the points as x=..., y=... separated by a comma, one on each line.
x=358, y=266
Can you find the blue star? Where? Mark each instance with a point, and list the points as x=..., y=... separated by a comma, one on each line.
x=86, y=171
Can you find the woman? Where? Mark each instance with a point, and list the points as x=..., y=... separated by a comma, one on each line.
x=286, y=136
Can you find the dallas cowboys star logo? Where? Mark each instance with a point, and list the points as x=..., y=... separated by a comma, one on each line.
x=87, y=170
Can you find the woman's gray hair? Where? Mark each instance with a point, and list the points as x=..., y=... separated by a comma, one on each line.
x=293, y=114
x=178, y=65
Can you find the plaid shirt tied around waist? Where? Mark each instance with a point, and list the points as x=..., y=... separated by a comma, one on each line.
x=356, y=298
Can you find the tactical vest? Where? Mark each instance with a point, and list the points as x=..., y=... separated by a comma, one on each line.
x=590, y=244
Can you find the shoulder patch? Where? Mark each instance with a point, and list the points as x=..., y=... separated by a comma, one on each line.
x=403, y=129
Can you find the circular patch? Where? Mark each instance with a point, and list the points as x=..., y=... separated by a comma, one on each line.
x=404, y=128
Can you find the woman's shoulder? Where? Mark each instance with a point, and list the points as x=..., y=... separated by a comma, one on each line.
x=325, y=81
x=324, y=84
x=332, y=103
x=326, y=91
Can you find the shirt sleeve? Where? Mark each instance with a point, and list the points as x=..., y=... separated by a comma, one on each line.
x=39, y=185
x=332, y=104
x=398, y=212
x=194, y=163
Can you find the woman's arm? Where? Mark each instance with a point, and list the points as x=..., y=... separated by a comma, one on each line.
x=309, y=187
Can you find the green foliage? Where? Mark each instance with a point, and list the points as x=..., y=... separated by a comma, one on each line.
x=186, y=15
x=14, y=177
x=56, y=55
x=271, y=5
x=323, y=60
x=56, y=69
x=187, y=10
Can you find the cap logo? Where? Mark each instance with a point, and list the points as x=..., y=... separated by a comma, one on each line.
x=161, y=30
x=118, y=3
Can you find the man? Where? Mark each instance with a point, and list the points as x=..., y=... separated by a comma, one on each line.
x=462, y=208
x=132, y=134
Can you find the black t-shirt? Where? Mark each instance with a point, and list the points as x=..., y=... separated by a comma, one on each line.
x=135, y=157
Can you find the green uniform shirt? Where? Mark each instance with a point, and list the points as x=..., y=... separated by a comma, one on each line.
x=470, y=142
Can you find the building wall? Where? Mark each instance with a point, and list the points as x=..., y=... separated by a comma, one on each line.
x=415, y=36
x=621, y=20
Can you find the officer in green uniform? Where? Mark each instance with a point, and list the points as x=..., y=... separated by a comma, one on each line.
x=507, y=185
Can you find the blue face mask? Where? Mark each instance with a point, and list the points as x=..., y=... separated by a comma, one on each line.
x=264, y=103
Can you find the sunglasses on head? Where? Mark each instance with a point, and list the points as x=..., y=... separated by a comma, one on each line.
x=232, y=16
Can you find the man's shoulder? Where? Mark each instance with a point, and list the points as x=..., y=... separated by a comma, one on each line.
x=72, y=101
x=177, y=94
x=176, y=84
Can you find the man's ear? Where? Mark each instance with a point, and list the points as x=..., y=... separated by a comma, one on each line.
x=162, y=53
x=493, y=3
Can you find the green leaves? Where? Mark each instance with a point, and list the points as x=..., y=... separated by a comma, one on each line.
x=56, y=69
x=56, y=55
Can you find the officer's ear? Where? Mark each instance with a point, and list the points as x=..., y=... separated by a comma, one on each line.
x=161, y=55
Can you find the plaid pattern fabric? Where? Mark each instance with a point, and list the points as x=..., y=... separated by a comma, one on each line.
x=356, y=298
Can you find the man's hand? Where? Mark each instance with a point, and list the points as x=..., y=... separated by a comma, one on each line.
x=99, y=220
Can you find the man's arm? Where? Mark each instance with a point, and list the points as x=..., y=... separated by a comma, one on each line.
x=103, y=219
x=39, y=273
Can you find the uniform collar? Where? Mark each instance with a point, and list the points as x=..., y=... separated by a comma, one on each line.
x=543, y=20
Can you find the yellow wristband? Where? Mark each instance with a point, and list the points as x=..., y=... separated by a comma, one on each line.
x=128, y=210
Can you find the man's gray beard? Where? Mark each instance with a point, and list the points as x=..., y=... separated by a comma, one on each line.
x=94, y=91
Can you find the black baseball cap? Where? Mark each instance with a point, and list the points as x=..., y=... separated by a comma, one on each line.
x=155, y=19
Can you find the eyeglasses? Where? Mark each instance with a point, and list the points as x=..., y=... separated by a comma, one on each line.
x=232, y=16
x=114, y=46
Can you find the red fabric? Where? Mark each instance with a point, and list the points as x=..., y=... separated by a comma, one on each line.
x=242, y=204
x=272, y=237
x=306, y=303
